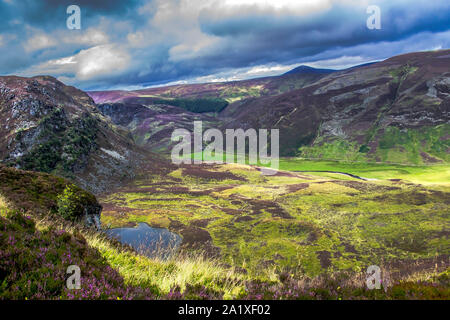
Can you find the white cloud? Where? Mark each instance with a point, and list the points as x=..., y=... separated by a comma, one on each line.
x=294, y=6
x=338, y=63
x=240, y=74
x=38, y=42
x=100, y=61
x=89, y=64
x=179, y=22
x=193, y=47
x=268, y=70
x=91, y=36
x=223, y=8
x=136, y=39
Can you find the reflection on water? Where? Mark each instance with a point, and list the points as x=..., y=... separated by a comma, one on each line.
x=148, y=241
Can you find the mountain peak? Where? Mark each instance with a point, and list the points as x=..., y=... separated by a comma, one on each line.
x=306, y=69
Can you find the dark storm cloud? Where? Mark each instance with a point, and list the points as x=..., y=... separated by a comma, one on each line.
x=143, y=42
x=261, y=38
x=49, y=14
x=21, y=20
x=100, y=5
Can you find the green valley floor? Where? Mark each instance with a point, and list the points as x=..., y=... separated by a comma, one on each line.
x=245, y=236
x=308, y=223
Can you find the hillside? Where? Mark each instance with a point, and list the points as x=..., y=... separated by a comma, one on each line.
x=151, y=125
x=294, y=235
x=36, y=250
x=151, y=115
x=229, y=91
x=44, y=195
x=397, y=110
x=306, y=70
x=53, y=128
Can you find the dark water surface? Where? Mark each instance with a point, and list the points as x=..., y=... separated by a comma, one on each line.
x=148, y=241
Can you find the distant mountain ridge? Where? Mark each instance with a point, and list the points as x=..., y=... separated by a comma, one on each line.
x=160, y=112
x=306, y=69
x=397, y=110
x=375, y=111
x=230, y=91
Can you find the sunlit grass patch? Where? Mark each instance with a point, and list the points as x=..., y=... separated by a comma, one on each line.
x=258, y=220
x=165, y=275
x=425, y=174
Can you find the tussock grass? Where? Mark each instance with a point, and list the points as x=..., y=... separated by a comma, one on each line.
x=175, y=277
x=177, y=271
x=162, y=275
x=4, y=205
x=3, y=202
x=312, y=224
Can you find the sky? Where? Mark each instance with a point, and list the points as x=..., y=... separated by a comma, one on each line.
x=142, y=43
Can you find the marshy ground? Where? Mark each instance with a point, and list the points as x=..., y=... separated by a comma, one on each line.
x=287, y=236
x=307, y=223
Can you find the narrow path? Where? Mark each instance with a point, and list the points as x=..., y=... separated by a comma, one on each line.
x=339, y=172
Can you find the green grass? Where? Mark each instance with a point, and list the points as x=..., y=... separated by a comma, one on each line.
x=37, y=251
x=428, y=174
x=389, y=145
x=178, y=271
x=298, y=236
x=306, y=222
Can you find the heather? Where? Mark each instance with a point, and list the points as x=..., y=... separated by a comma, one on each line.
x=44, y=193
x=310, y=223
x=347, y=286
x=33, y=264
x=36, y=253
x=237, y=240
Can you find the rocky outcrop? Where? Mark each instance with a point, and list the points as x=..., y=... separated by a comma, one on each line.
x=92, y=216
x=53, y=128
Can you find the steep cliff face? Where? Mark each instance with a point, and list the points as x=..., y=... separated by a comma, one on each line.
x=53, y=128
x=43, y=194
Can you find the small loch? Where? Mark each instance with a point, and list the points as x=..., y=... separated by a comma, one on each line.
x=148, y=241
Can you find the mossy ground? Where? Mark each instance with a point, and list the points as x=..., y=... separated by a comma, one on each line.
x=426, y=145
x=318, y=252
x=42, y=193
x=308, y=224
